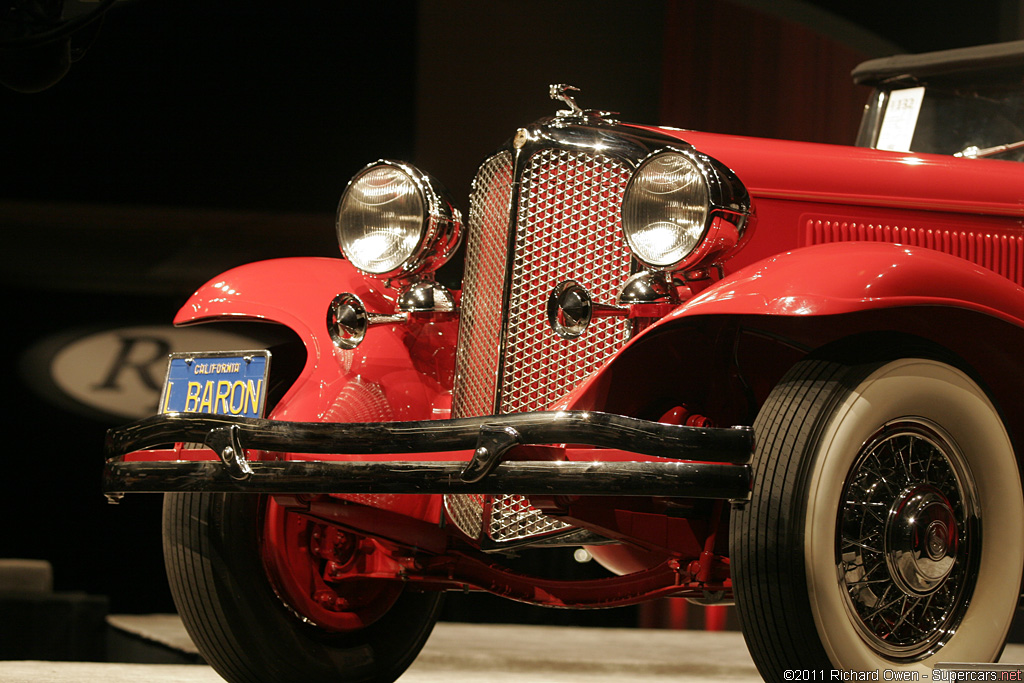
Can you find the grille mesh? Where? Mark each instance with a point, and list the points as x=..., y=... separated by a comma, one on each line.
x=513, y=518
x=567, y=227
x=481, y=314
x=466, y=510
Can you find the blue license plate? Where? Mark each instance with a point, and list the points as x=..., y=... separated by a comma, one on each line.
x=222, y=383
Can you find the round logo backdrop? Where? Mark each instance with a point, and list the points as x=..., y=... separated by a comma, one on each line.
x=117, y=372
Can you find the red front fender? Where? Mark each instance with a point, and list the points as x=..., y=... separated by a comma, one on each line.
x=401, y=371
x=802, y=295
x=831, y=279
x=290, y=291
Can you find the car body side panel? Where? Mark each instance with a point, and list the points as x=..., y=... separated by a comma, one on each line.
x=836, y=174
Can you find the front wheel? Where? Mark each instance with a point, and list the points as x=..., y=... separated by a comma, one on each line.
x=884, y=527
x=244, y=581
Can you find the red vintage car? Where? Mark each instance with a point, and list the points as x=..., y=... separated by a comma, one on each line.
x=777, y=374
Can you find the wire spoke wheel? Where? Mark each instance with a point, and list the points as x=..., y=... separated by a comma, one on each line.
x=906, y=550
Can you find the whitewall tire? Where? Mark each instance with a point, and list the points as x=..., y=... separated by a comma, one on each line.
x=885, y=525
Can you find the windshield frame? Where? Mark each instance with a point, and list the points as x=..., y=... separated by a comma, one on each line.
x=968, y=87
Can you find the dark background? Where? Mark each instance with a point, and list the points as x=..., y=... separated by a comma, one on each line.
x=192, y=136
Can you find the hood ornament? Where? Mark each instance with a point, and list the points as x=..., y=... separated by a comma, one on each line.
x=560, y=92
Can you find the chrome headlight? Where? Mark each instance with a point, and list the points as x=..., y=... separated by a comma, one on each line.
x=396, y=221
x=673, y=210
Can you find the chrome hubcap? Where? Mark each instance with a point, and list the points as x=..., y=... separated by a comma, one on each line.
x=922, y=540
x=907, y=543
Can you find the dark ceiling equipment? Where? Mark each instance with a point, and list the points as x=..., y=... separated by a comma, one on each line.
x=36, y=40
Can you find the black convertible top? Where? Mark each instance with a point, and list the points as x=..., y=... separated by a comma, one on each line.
x=1000, y=56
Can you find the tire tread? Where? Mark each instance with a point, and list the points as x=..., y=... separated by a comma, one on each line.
x=764, y=532
x=241, y=627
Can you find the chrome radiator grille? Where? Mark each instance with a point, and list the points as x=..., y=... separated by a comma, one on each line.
x=482, y=309
x=513, y=518
x=466, y=510
x=566, y=226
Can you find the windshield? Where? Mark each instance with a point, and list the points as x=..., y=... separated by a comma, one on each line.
x=946, y=118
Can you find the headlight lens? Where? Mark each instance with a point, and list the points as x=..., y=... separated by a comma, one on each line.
x=381, y=219
x=665, y=210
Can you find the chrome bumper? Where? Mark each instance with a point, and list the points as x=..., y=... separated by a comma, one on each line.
x=696, y=462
